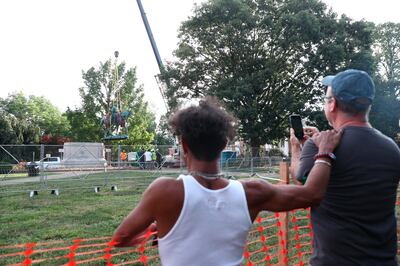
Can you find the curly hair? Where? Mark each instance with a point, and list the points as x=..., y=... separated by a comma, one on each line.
x=206, y=128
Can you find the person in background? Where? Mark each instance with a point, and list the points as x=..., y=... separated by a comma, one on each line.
x=355, y=223
x=148, y=159
x=123, y=156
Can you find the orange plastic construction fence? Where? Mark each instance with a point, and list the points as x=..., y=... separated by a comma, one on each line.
x=275, y=237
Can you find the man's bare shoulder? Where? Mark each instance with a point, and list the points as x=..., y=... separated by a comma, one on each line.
x=167, y=194
x=255, y=187
x=252, y=183
x=165, y=183
x=165, y=186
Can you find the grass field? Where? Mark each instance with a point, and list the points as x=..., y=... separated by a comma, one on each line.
x=80, y=213
x=15, y=176
x=77, y=213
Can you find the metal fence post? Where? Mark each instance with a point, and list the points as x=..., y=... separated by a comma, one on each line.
x=283, y=219
x=41, y=168
x=41, y=152
x=251, y=166
x=119, y=157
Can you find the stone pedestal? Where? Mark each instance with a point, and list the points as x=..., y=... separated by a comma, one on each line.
x=83, y=155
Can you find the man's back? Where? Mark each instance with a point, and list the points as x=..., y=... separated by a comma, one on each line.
x=355, y=223
x=212, y=226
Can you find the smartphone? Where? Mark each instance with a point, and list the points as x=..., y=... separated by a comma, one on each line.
x=297, y=125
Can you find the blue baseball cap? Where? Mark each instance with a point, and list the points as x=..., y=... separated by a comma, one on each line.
x=352, y=86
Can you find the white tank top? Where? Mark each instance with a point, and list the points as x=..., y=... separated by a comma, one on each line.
x=211, y=229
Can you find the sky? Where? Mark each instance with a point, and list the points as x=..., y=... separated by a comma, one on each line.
x=45, y=44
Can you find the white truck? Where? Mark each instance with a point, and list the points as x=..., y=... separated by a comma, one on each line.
x=34, y=168
x=49, y=162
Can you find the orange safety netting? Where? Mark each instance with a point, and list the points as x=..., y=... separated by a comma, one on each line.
x=79, y=252
x=275, y=238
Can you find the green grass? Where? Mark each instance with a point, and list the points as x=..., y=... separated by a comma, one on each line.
x=12, y=176
x=77, y=213
x=16, y=176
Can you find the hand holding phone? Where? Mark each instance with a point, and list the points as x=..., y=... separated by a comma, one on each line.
x=297, y=125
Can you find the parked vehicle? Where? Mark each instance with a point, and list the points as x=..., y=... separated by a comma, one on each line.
x=49, y=162
x=32, y=168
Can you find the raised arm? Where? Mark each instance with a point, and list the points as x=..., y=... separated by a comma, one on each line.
x=134, y=227
x=296, y=150
x=262, y=195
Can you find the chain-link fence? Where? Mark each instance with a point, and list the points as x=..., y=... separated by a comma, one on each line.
x=50, y=167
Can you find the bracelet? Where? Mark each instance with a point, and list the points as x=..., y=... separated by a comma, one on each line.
x=323, y=162
x=328, y=155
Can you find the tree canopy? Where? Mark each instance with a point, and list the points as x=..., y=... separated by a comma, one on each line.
x=103, y=89
x=163, y=134
x=385, y=114
x=26, y=119
x=264, y=59
x=387, y=52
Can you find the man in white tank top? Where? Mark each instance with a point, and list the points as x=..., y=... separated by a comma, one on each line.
x=202, y=218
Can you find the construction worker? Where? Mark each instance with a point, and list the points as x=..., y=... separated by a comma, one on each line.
x=123, y=156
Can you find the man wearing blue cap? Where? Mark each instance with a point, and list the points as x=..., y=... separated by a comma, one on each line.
x=355, y=223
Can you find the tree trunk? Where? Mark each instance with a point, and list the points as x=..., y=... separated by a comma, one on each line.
x=255, y=147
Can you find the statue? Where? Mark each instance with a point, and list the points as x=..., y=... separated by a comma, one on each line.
x=115, y=124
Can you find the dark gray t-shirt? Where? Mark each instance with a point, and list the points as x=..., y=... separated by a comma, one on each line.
x=355, y=224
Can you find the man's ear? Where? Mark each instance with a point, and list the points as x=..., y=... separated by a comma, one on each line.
x=333, y=106
x=184, y=146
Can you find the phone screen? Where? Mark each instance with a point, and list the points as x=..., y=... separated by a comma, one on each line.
x=297, y=125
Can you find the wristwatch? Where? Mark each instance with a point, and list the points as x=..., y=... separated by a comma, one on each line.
x=329, y=155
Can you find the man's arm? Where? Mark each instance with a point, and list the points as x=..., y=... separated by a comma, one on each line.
x=295, y=148
x=133, y=229
x=297, y=153
x=262, y=195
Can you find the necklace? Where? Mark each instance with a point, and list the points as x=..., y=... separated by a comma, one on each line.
x=355, y=124
x=207, y=176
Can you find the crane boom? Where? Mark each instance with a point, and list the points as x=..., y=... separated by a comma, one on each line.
x=153, y=45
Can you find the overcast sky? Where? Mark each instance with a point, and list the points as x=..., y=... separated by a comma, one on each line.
x=45, y=44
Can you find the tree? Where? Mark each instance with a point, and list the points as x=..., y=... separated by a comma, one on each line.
x=47, y=116
x=83, y=128
x=16, y=126
x=27, y=119
x=163, y=135
x=107, y=86
x=142, y=128
x=263, y=59
x=8, y=124
x=385, y=114
x=387, y=52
